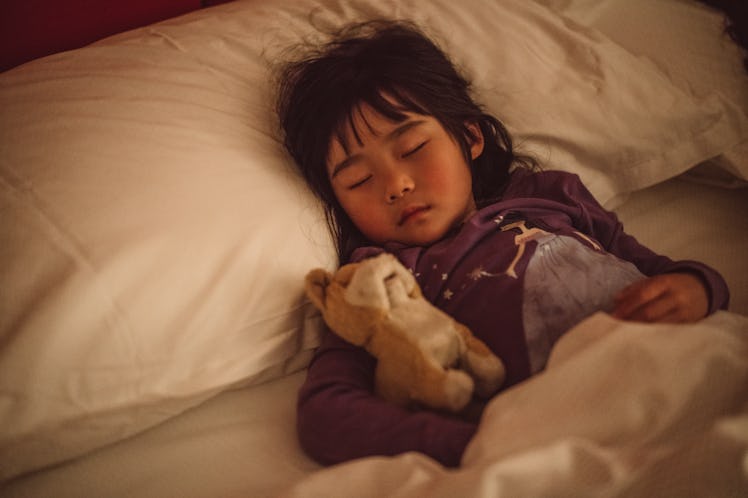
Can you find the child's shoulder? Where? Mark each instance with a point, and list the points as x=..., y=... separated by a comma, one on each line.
x=526, y=182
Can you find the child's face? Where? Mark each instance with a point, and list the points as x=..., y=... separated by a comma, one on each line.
x=405, y=181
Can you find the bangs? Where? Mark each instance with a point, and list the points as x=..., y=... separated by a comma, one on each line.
x=389, y=103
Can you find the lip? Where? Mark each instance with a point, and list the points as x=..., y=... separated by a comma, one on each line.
x=411, y=211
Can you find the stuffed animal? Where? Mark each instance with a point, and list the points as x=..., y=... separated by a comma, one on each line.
x=423, y=354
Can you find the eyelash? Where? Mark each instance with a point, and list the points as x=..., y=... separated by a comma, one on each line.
x=407, y=154
x=416, y=149
x=359, y=183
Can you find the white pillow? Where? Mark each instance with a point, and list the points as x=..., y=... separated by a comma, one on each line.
x=686, y=39
x=154, y=236
x=153, y=242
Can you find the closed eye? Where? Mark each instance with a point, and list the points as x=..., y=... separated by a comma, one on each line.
x=359, y=183
x=416, y=149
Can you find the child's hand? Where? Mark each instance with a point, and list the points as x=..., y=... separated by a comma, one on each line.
x=670, y=297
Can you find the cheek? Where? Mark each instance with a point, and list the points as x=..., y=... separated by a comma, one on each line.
x=362, y=212
x=451, y=177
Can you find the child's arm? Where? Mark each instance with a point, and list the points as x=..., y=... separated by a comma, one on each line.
x=339, y=417
x=675, y=291
x=671, y=297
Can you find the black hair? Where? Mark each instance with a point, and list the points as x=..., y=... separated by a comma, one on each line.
x=320, y=93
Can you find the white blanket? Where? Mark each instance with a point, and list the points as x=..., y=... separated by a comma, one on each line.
x=623, y=409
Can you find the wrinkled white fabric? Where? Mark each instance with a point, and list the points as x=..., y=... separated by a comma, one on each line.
x=624, y=409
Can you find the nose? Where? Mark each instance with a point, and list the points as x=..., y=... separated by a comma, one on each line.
x=398, y=184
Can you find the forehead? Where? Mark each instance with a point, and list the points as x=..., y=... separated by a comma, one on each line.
x=365, y=121
x=369, y=126
x=372, y=115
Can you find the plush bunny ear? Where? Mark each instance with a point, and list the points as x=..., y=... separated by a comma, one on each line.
x=315, y=285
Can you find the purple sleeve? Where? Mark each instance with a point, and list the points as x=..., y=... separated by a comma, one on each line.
x=605, y=227
x=339, y=417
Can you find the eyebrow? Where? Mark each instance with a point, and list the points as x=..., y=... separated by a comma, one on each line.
x=397, y=132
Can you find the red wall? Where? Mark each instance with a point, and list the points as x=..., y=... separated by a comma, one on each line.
x=32, y=28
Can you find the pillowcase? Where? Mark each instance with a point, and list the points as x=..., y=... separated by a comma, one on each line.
x=691, y=48
x=154, y=234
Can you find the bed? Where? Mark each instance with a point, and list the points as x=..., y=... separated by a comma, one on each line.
x=154, y=237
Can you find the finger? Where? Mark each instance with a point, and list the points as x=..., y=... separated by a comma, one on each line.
x=643, y=290
x=636, y=296
x=655, y=311
x=648, y=303
x=675, y=316
x=631, y=290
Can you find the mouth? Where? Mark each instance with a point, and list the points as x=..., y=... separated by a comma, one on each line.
x=411, y=212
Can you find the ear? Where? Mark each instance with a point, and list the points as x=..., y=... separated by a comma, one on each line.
x=315, y=285
x=478, y=142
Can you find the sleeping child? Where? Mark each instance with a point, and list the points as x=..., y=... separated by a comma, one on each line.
x=385, y=132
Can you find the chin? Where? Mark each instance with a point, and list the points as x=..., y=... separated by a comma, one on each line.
x=427, y=239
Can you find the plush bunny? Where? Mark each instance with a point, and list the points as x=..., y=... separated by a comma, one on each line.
x=423, y=355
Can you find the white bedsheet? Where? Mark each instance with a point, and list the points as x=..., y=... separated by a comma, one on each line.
x=622, y=410
x=664, y=413
x=240, y=443
x=243, y=442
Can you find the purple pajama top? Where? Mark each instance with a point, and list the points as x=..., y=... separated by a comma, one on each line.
x=518, y=273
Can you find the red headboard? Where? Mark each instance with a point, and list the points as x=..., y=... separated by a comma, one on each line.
x=33, y=28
